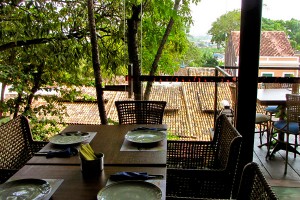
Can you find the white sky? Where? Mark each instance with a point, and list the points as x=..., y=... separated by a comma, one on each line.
x=207, y=11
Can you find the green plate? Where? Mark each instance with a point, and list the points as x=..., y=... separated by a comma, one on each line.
x=25, y=189
x=133, y=190
x=145, y=136
x=67, y=138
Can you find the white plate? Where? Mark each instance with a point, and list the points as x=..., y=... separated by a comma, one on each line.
x=133, y=190
x=26, y=189
x=69, y=138
x=145, y=136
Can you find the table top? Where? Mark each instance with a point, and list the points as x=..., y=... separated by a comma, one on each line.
x=109, y=140
x=74, y=186
x=272, y=96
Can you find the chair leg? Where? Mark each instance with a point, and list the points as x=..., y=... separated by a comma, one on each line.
x=263, y=127
x=286, y=153
x=260, y=133
x=296, y=145
x=269, y=139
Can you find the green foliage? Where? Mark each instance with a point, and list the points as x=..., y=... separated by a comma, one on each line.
x=222, y=28
x=43, y=128
x=193, y=56
x=171, y=136
x=209, y=60
x=112, y=122
x=3, y=120
x=46, y=44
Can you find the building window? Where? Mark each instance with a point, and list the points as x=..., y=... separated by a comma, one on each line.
x=288, y=74
x=267, y=74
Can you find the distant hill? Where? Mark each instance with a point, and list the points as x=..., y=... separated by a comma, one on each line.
x=202, y=41
x=199, y=38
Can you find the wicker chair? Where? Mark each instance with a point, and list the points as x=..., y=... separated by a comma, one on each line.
x=274, y=109
x=16, y=146
x=288, y=127
x=140, y=112
x=253, y=186
x=261, y=120
x=204, y=169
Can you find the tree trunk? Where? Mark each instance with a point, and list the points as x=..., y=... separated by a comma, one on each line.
x=133, y=23
x=35, y=87
x=3, y=86
x=159, y=52
x=96, y=64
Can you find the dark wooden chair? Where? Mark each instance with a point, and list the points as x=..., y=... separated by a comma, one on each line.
x=253, y=186
x=140, y=112
x=16, y=146
x=204, y=169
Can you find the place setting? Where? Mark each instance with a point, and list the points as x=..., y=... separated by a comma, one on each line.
x=121, y=185
x=144, y=139
x=29, y=189
x=132, y=185
x=66, y=144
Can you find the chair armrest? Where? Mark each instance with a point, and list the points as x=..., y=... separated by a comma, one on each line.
x=190, y=154
x=199, y=183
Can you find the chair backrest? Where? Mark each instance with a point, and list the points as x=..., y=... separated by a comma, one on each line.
x=232, y=87
x=16, y=145
x=221, y=153
x=214, y=163
x=253, y=185
x=228, y=141
x=140, y=112
x=292, y=107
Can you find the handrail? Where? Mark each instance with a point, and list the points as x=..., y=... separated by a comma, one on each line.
x=221, y=75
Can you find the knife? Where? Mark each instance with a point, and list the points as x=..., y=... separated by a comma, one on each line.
x=121, y=176
x=41, y=153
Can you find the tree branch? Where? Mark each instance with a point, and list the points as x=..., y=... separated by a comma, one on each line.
x=20, y=43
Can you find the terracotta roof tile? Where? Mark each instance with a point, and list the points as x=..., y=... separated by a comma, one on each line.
x=273, y=43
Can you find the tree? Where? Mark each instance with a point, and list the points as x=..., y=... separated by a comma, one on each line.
x=194, y=56
x=42, y=44
x=47, y=44
x=160, y=49
x=223, y=26
x=96, y=63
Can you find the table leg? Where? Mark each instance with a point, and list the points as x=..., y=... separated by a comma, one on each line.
x=280, y=145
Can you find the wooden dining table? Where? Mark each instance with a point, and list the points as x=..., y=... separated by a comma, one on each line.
x=267, y=97
x=109, y=140
x=65, y=175
x=72, y=185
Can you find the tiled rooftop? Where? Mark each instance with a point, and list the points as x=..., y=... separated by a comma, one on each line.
x=273, y=43
x=189, y=111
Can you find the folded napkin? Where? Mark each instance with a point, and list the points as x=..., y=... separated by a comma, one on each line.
x=68, y=152
x=121, y=176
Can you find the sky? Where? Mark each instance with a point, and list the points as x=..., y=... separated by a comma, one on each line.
x=207, y=11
